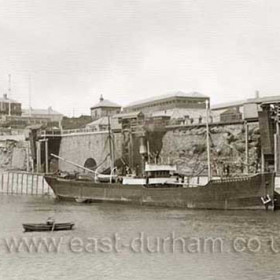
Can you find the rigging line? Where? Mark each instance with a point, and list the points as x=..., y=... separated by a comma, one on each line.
x=102, y=161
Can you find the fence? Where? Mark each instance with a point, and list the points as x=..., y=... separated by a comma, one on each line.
x=70, y=132
x=24, y=183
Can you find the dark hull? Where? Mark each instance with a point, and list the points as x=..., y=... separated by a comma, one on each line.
x=48, y=227
x=236, y=193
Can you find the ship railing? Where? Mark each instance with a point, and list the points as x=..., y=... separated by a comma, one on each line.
x=236, y=179
x=193, y=181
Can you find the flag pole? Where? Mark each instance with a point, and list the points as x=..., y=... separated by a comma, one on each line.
x=208, y=141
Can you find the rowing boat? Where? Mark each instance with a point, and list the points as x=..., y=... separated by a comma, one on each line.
x=48, y=227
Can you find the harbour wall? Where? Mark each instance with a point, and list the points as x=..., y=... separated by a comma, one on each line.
x=79, y=148
x=184, y=147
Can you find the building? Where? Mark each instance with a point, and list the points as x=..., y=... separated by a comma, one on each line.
x=175, y=100
x=186, y=107
x=47, y=117
x=49, y=114
x=21, y=121
x=102, y=124
x=9, y=107
x=130, y=121
x=246, y=109
x=231, y=115
x=104, y=108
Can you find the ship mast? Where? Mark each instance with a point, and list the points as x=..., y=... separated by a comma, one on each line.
x=29, y=94
x=10, y=92
x=208, y=140
x=111, y=147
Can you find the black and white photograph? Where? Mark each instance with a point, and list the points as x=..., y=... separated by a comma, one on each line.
x=139, y=139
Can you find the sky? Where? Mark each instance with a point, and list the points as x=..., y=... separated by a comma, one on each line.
x=65, y=53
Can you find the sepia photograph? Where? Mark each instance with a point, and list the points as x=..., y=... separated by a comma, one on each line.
x=139, y=139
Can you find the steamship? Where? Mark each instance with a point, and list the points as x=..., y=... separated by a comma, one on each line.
x=160, y=185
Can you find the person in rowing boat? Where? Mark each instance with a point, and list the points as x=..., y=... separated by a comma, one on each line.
x=50, y=221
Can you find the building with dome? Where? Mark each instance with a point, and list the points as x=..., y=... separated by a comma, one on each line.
x=104, y=108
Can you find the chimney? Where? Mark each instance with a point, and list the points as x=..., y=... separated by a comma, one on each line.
x=257, y=94
x=101, y=98
x=5, y=96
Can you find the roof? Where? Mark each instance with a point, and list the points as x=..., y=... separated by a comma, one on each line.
x=5, y=99
x=231, y=110
x=265, y=99
x=228, y=104
x=128, y=115
x=48, y=111
x=101, y=121
x=104, y=122
x=105, y=103
x=167, y=96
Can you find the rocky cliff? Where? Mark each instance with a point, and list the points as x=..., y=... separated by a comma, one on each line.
x=187, y=148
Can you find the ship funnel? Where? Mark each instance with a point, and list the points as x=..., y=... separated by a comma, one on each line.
x=142, y=148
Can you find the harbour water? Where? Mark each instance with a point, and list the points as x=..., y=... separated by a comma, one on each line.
x=112, y=241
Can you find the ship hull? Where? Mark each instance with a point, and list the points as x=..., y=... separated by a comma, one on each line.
x=254, y=192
